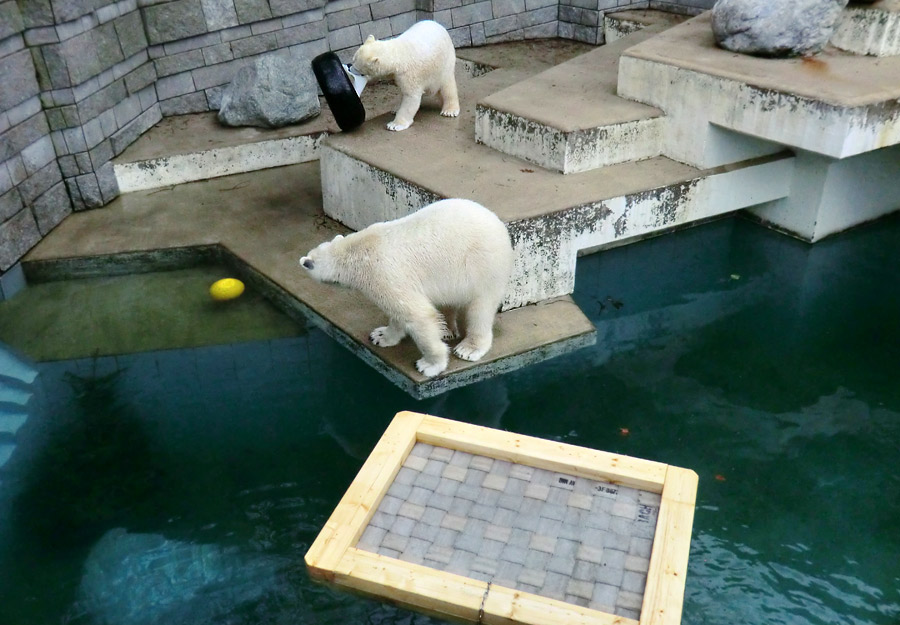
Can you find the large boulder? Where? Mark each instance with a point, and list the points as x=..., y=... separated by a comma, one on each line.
x=775, y=28
x=273, y=92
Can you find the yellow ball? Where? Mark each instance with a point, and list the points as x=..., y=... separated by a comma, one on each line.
x=226, y=288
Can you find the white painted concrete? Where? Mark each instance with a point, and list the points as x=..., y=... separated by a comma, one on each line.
x=202, y=165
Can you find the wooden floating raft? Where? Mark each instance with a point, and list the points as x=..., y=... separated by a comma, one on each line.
x=489, y=526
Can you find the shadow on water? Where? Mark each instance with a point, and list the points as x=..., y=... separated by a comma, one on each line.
x=95, y=468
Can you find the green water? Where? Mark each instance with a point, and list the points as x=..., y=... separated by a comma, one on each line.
x=184, y=486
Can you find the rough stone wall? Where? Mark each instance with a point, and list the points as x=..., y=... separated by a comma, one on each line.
x=83, y=79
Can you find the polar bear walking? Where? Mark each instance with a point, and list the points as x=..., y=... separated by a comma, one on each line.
x=454, y=255
x=421, y=60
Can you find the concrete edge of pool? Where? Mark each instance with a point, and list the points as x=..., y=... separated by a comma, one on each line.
x=523, y=336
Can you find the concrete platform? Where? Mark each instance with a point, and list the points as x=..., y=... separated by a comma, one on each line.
x=186, y=148
x=372, y=175
x=569, y=117
x=261, y=223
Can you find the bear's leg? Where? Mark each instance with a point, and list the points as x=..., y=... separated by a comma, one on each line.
x=479, y=329
x=426, y=328
x=449, y=98
x=451, y=329
x=409, y=106
x=389, y=335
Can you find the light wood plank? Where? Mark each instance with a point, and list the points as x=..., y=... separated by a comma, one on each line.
x=666, y=577
x=434, y=591
x=506, y=606
x=446, y=594
x=352, y=514
x=540, y=453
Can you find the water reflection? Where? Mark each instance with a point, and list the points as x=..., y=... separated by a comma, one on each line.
x=731, y=583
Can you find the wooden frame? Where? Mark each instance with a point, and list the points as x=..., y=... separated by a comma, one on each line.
x=334, y=558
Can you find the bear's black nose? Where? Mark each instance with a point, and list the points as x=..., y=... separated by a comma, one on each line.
x=307, y=263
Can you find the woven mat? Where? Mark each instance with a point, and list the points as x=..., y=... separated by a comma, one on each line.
x=582, y=541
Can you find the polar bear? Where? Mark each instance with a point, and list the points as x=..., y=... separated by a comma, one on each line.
x=421, y=60
x=454, y=255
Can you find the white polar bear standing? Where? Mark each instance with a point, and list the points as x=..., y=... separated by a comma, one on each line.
x=421, y=60
x=454, y=255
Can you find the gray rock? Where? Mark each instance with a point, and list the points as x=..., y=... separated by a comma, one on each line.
x=271, y=93
x=775, y=28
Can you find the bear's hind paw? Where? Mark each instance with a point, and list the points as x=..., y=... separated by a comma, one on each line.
x=429, y=369
x=450, y=113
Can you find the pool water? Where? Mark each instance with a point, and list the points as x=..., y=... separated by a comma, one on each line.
x=184, y=486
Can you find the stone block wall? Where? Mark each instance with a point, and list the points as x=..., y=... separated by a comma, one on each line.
x=33, y=196
x=479, y=22
x=83, y=79
x=197, y=46
x=582, y=20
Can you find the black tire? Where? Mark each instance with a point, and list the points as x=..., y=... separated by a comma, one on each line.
x=342, y=99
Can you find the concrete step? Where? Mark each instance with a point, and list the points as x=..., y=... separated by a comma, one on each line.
x=569, y=117
x=372, y=175
x=11, y=420
x=15, y=367
x=623, y=23
x=261, y=223
x=872, y=29
x=16, y=377
x=186, y=148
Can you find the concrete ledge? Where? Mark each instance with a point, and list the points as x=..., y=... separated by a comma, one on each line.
x=180, y=168
x=872, y=29
x=836, y=104
x=194, y=147
x=596, y=213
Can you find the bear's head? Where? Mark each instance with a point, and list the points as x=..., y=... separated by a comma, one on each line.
x=367, y=60
x=320, y=262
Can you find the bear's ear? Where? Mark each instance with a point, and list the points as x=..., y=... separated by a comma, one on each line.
x=337, y=238
x=370, y=39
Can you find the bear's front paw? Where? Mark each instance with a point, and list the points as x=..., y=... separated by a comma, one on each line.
x=467, y=350
x=429, y=369
x=395, y=125
x=450, y=112
x=384, y=337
